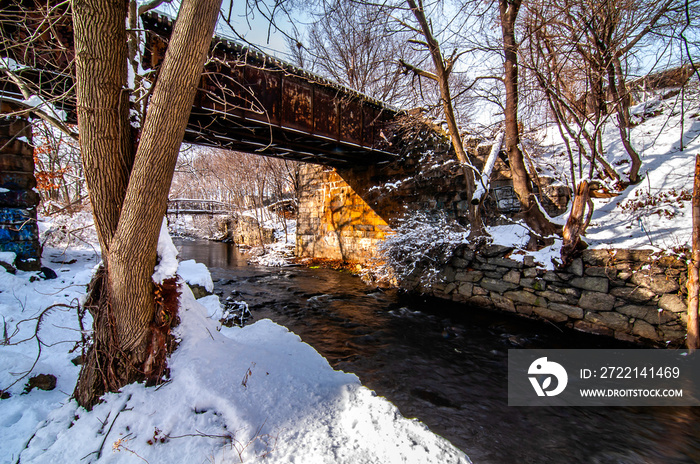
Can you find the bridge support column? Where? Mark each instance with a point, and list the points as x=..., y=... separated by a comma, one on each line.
x=18, y=198
x=333, y=221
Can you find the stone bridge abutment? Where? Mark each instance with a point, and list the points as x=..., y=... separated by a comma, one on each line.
x=345, y=212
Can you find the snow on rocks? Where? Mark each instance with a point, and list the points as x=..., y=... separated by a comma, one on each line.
x=7, y=257
x=195, y=273
x=277, y=254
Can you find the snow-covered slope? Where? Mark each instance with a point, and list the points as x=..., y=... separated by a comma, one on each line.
x=656, y=212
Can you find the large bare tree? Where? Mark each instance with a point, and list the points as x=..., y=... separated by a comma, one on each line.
x=128, y=171
x=443, y=67
x=352, y=44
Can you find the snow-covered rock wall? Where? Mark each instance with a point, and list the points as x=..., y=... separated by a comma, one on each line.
x=632, y=295
x=247, y=230
x=19, y=233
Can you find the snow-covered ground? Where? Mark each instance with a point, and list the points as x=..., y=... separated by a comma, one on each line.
x=235, y=395
x=281, y=252
x=654, y=214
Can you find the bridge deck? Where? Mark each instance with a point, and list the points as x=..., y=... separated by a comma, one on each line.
x=251, y=102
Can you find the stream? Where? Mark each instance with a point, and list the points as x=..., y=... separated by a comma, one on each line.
x=446, y=365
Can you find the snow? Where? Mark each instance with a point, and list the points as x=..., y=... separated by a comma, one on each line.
x=76, y=231
x=195, y=273
x=482, y=185
x=276, y=254
x=167, y=256
x=10, y=64
x=20, y=302
x=36, y=101
x=666, y=167
x=253, y=394
x=281, y=252
x=188, y=225
x=667, y=170
x=258, y=393
x=7, y=257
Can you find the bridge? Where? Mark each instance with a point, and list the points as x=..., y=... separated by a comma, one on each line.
x=196, y=206
x=251, y=102
x=247, y=101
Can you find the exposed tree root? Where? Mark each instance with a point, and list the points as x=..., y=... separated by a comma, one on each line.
x=107, y=366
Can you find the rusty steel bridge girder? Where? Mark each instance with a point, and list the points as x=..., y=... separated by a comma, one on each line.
x=251, y=102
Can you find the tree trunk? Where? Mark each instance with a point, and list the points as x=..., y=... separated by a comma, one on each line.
x=103, y=109
x=130, y=336
x=620, y=95
x=575, y=225
x=532, y=213
x=693, y=338
x=442, y=74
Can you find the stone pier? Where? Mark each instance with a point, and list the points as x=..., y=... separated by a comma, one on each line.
x=19, y=232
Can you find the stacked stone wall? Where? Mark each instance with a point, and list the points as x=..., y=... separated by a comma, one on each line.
x=629, y=295
x=19, y=232
x=246, y=230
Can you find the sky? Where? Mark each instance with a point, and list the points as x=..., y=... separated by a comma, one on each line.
x=252, y=25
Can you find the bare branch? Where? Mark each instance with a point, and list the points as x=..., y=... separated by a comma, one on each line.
x=153, y=4
x=418, y=71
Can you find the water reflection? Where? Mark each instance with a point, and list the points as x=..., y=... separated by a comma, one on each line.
x=446, y=365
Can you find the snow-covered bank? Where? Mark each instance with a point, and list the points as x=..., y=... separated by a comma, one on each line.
x=238, y=395
x=281, y=252
x=654, y=214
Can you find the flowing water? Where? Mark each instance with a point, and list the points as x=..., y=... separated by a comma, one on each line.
x=446, y=365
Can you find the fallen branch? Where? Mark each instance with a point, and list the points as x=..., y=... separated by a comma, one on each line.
x=483, y=185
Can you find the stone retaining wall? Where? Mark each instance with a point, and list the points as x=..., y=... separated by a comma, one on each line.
x=246, y=230
x=630, y=295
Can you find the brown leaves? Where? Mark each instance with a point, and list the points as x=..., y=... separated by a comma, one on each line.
x=665, y=203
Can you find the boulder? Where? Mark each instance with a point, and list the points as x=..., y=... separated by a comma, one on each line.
x=596, y=301
x=656, y=283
